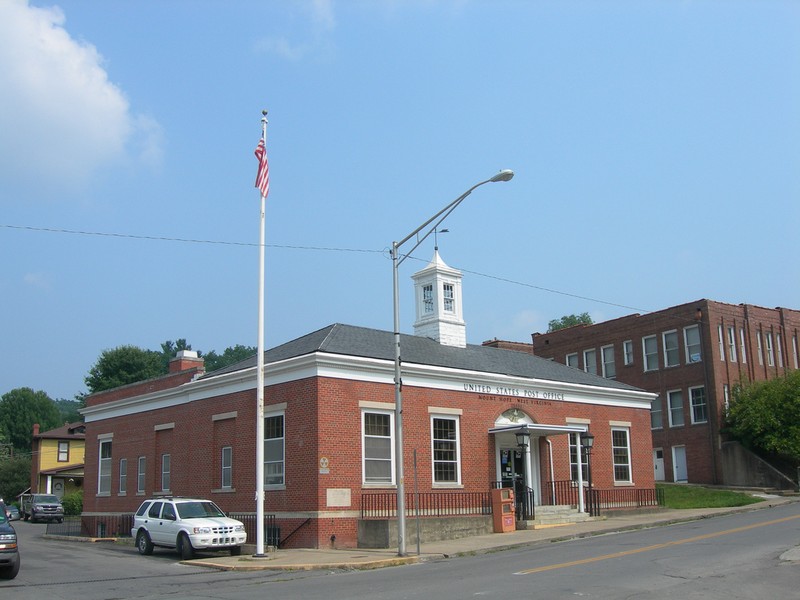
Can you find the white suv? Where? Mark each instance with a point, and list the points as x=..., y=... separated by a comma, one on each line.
x=186, y=524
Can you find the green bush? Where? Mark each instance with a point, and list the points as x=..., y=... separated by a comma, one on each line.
x=73, y=503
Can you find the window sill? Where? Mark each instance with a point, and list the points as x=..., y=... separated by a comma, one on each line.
x=275, y=487
x=624, y=484
x=223, y=491
x=448, y=486
x=378, y=486
x=162, y=493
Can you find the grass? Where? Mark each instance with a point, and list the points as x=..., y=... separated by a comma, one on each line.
x=692, y=496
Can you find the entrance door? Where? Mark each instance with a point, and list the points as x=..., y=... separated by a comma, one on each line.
x=658, y=464
x=679, y=470
x=512, y=466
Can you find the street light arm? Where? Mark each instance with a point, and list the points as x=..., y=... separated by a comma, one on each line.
x=503, y=175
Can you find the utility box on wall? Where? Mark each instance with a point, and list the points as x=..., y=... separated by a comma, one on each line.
x=503, y=510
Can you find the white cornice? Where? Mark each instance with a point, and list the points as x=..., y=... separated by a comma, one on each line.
x=372, y=370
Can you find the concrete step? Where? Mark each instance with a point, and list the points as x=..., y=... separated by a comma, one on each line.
x=553, y=516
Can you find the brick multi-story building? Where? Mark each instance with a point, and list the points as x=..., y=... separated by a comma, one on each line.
x=329, y=424
x=691, y=356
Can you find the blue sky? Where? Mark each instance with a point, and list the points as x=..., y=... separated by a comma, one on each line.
x=656, y=147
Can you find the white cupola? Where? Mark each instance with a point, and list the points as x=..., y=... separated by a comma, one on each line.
x=437, y=289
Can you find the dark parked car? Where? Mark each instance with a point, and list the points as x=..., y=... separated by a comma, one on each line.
x=9, y=552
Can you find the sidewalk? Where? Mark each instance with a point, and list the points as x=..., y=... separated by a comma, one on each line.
x=302, y=559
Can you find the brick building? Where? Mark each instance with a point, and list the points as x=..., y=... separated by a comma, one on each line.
x=691, y=356
x=329, y=425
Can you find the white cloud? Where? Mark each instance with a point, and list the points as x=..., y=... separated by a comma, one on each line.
x=318, y=42
x=37, y=280
x=61, y=117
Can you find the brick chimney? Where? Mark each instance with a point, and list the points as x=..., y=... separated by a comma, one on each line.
x=35, y=429
x=185, y=360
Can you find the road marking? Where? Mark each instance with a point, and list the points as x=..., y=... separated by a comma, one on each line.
x=653, y=547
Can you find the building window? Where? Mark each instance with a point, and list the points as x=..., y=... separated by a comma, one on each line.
x=445, y=445
x=274, y=450
x=590, y=361
x=165, y=472
x=656, y=414
x=742, y=345
x=123, y=475
x=572, y=360
x=449, y=298
x=609, y=368
x=671, y=351
x=627, y=350
x=377, y=447
x=779, y=342
x=770, y=349
x=697, y=397
x=794, y=352
x=675, y=401
x=574, y=452
x=726, y=393
x=140, y=479
x=427, y=298
x=63, y=451
x=227, y=468
x=721, y=340
x=691, y=339
x=622, y=455
x=650, y=350
x=104, y=469
x=760, y=349
x=732, y=344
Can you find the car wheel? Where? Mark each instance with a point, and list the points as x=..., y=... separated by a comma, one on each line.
x=236, y=550
x=143, y=543
x=185, y=547
x=10, y=572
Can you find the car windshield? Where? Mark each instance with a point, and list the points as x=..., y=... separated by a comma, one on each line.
x=198, y=510
x=52, y=499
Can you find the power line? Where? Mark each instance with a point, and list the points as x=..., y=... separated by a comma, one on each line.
x=315, y=248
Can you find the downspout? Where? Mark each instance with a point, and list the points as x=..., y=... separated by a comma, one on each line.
x=552, y=473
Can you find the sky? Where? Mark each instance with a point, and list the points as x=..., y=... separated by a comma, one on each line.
x=655, y=146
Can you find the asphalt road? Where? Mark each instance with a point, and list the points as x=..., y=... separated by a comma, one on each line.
x=731, y=557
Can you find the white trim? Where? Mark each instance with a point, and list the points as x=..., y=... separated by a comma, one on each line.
x=620, y=423
x=445, y=411
x=164, y=427
x=370, y=370
x=376, y=405
x=223, y=416
x=580, y=420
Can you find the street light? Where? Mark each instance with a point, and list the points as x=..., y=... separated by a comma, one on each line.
x=504, y=175
x=587, y=441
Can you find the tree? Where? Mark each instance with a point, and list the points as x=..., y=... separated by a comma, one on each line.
x=15, y=477
x=214, y=361
x=68, y=409
x=123, y=365
x=765, y=416
x=569, y=321
x=20, y=409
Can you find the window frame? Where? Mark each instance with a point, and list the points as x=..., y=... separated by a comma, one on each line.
x=695, y=408
x=226, y=469
x=731, y=339
x=575, y=449
x=166, y=472
x=449, y=298
x=673, y=410
x=104, y=467
x=274, y=481
x=587, y=362
x=606, y=364
x=648, y=357
x=770, y=349
x=627, y=352
x=456, y=442
x=617, y=451
x=123, y=476
x=660, y=412
x=377, y=482
x=689, y=346
x=141, y=475
x=427, y=299
x=577, y=360
x=63, y=451
x=672, y=354
x=742, y=345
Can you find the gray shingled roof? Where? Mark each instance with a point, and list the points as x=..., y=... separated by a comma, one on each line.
x=373, y=343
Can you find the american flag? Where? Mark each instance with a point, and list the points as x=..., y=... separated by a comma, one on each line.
x=262, y=179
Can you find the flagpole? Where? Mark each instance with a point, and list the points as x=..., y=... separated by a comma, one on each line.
x=260, y=371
